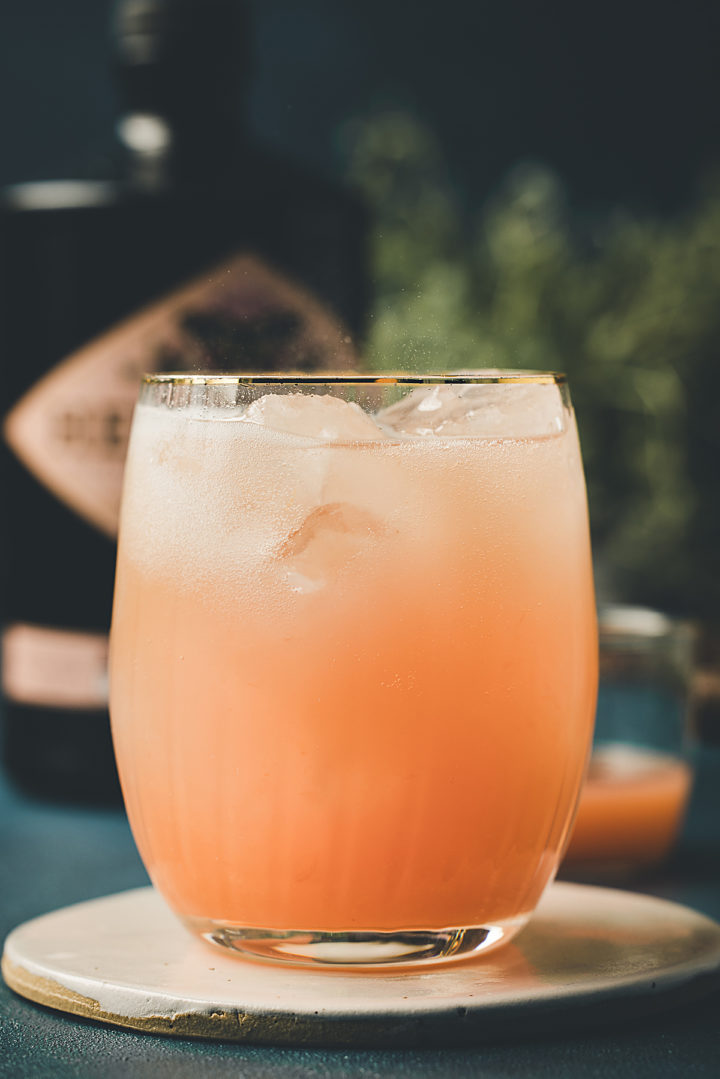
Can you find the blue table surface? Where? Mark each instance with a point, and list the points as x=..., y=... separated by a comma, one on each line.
x=51, y=856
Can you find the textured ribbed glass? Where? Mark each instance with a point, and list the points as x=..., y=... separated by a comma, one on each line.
x=353, y=656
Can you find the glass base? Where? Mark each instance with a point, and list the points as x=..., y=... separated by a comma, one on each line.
x=358, y=949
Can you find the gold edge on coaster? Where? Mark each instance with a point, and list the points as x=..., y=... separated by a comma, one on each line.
x=48, y=992
x=233, y=1026
x=460, y=1029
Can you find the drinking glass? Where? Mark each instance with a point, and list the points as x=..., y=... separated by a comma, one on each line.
x=353, y=664
x=638, y=784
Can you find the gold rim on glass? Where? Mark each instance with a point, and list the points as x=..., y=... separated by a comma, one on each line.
x=179, y=378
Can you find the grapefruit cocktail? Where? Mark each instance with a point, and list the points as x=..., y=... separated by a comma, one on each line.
x=353, y=660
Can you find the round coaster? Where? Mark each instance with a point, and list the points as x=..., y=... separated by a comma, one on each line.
x=587, y=956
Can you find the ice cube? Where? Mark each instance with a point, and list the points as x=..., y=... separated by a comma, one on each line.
x=316, y=416
x=489, y=410
x=326, y=541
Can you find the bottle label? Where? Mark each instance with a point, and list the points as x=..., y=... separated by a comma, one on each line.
x=71, y=428
x=54, y=668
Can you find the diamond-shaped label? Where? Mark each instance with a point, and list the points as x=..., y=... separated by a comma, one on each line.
x=71, y=428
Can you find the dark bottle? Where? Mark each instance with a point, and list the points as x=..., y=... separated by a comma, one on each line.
x=196, y=249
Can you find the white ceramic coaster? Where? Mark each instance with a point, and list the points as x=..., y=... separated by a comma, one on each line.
x=588, y=955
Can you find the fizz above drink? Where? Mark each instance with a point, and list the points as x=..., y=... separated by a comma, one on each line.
x=354, y=658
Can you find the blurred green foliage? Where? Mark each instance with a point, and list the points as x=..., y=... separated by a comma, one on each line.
x=629, y=308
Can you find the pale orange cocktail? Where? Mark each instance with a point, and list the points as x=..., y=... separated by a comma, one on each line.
x=354, y=659
x=631, y=810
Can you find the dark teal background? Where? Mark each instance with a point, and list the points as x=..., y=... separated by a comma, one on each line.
x=619, y=98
